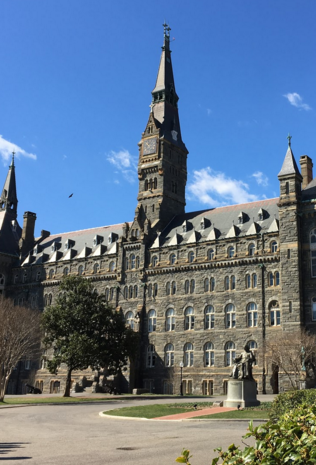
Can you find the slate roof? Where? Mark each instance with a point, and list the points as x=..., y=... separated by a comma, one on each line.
x=309, y=193
x=221, y=223
x=52, y=248
x=289, y=165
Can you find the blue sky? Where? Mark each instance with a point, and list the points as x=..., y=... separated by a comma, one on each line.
x=76, y=81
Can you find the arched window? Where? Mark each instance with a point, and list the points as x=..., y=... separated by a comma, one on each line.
x=170, y=320
x=137, y=262
x=129, y=318
x=230, y=353
x=274, y=246
x=226, y=283
x=155, y=183
x=80, y=270
x=248, y=281
x=313, y=252
x=232, y=283
x=150, y=290
x=135, y=293
x=45, y=300
x=111, y=293
x=186, y=286
x=168, y=288
x=209, y=354
x=188, y=355
x=191, y=257
x=275, y=314
x=51, y=273
x=173, y=288
x=192, y=286
x=230, y=316
x=206, y=285
x=173, y=259
x=126, y=292
x=253, y=346
x=107, y=294
x=155, y=290
x=230, y=251
x=169, y=355
x=126, y=263
x=130, y=292
x=211, y=254
x=277, y=278
x=251, y=250
x=96, y=267
x=154, y=260
x=24, y=277
x=66, y=271
x=212, y=284
x=112, y=266
x=189, y=319
x=151, y=356
x=151, y=321
x=252, y=315
x=133, y=261
x=254, y=280
x=146, y=185
x=209, y=317
x=271, y=279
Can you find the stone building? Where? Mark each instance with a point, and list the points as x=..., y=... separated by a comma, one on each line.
x=197, y=286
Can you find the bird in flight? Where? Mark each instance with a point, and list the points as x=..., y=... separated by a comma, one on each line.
x=70, y=196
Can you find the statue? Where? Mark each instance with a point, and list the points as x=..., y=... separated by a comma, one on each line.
x=242, y=368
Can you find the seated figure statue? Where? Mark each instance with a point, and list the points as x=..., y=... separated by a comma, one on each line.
x=242, y=368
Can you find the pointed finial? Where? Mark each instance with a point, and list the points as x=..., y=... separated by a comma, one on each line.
x=151, y=107
x=289, y=139
x=12, y=162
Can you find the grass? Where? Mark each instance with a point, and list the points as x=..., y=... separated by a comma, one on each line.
x=52, y=400
x=157, y=410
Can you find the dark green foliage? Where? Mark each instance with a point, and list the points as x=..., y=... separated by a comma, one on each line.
x=287, y=401
x=85, y=331
x=291, y=440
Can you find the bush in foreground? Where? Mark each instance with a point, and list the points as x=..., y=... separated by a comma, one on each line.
x=292, y=440
x=290, y=400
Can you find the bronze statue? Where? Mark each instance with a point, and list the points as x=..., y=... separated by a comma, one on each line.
x=242, y=368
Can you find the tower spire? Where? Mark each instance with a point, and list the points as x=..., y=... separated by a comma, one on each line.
x=8, y=199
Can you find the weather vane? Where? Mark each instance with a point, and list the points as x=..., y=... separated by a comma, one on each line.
x=289, y=139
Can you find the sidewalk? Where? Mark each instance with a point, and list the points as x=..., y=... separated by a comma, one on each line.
x=196, y=413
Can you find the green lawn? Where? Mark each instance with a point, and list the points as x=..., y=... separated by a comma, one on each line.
x=51, y=400
x=157, y=410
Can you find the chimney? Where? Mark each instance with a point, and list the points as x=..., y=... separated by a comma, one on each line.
x=306, y=169
x=27, y=239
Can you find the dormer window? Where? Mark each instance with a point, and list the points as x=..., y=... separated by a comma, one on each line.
x=261, y=214
x=97, y=240
x=112, y=237
x=36, y=250
x=184, y=227
x=241, y=218
x=69, y=244
x=54, y=247
x=14, y=225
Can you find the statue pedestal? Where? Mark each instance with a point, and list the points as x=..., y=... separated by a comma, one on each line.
x=241, y=392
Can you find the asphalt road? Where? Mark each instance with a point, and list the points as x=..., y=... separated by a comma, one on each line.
x=76, y=434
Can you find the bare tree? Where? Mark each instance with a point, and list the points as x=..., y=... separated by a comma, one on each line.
x=293, y=353
x=19, y=337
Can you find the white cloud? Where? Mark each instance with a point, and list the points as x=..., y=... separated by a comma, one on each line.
x=261, y=178
x=6, y=149
x=216, y=189
x=297, y=101
x=124, y=162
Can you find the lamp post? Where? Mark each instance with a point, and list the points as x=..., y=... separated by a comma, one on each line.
x=181, y=385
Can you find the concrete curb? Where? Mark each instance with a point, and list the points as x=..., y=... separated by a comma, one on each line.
x=117, y=417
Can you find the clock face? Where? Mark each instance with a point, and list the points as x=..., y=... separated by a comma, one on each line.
x=150, y=146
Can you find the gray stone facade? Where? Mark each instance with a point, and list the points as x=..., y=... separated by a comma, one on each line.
x=197, y=286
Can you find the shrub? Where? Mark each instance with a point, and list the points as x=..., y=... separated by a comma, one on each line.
x=287, y=401
x=291, y=440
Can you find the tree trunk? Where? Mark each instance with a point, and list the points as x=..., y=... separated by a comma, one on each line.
x=68, y=383
x=4, y=380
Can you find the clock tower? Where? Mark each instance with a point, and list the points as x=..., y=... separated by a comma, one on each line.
x=162, y=166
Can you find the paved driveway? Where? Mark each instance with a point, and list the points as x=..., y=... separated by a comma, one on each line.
x=76, y=434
